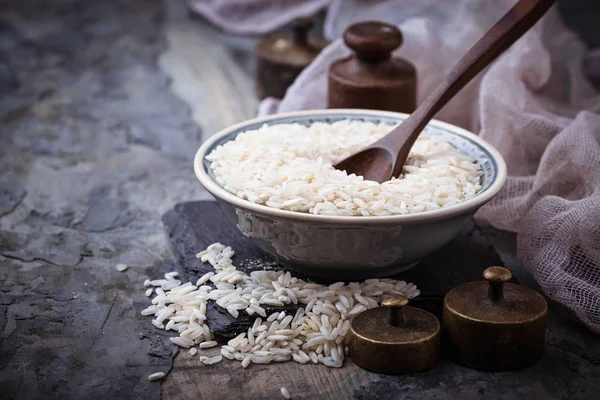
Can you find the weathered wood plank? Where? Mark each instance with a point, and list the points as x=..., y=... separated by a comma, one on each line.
x=205, y=73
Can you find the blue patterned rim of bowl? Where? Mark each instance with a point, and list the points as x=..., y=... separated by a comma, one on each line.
x=491, y=162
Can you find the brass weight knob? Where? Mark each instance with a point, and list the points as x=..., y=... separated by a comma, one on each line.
x=496, y=276
x=395, y=314
x=394, y=338
x=494, y=325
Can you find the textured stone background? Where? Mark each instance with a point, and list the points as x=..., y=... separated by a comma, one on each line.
x=94, y=148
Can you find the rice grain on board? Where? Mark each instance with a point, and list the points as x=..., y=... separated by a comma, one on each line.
x=290, y=167
x=314, y=333
x=156, y=376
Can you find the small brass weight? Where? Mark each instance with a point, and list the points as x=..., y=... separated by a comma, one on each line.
x=494, y=325
x=394, y=338
x=281, y=57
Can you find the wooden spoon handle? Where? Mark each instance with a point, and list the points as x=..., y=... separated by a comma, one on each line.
x=499, y=38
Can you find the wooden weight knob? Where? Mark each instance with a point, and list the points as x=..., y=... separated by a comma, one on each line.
x=373, y=40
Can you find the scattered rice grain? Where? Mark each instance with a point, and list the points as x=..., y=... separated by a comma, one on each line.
x=156, y=376
x=315, y=333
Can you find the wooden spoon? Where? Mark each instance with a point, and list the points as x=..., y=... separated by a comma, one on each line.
x=384, y=159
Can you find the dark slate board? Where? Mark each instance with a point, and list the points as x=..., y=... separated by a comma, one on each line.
x=194, y=226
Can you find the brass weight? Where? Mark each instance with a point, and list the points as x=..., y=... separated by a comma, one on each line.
x=281, y=57
x=394, y=338
x=494, y=325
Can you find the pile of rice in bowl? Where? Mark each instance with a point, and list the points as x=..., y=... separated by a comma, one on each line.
x=290, y=167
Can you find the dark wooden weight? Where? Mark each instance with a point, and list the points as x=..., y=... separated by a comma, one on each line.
x=371, y=78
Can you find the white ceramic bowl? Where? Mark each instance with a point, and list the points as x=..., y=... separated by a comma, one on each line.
x=342, y=247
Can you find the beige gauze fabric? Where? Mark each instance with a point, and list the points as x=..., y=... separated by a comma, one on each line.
x=534, y=104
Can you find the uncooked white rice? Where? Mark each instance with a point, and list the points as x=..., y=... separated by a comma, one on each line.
x=289, y=166
x=122, y=267
x=156, y=376
x=212, y=360
x=285, y=393
x=314, y=333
